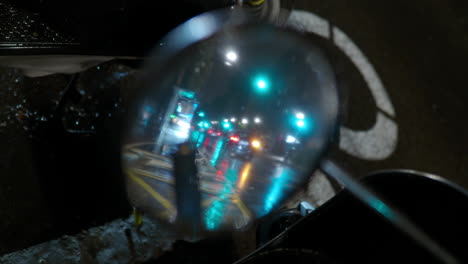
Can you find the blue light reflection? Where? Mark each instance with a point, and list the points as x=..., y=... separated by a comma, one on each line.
x=214, y=215
x=281, y=177
x=217, y=152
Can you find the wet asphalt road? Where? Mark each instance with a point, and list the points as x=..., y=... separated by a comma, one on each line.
x=419, y=50
x=234, y=190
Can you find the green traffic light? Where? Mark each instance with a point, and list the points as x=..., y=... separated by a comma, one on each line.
x=261, y=83
x=300, y=123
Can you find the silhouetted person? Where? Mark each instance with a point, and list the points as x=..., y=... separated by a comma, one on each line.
x=187, y=190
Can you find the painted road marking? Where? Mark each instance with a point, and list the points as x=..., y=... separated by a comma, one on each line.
x=235, y=199
x=159, y=164
x=243, y=208
x=150, y=154
x=158, y=197
x=139, y=172
x=134, y=145
x=379, y=142
x=170, y=181
x=152, y=176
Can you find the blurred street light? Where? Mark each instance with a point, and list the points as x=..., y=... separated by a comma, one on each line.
x=257, y=120
x=245, y=121
x=300, y=123
x=261, y=83
x=290, y=139
x=256, y=144
x=231, y=56
x=300, y=115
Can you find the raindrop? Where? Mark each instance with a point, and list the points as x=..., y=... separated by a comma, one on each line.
x=77, y=122
x=109, y=115
x=116, y=105
x=82, y=92
x=119, y=75
x=43, y=118
x=24, y=101
x=92, y=128
x=19, y=106
x=97, y=114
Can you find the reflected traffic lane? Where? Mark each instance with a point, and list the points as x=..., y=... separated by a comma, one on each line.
x=234, y=191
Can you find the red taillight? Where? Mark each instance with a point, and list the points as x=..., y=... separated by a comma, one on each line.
x=234, y=138
x=218, y=133
x=210, y=131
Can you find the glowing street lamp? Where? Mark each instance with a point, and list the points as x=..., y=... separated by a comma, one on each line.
x=256, y=144
x=231, y=56
x=261, y=84
x=300, y=115
x=300, y=123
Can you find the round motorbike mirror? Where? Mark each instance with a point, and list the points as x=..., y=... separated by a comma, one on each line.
x=232, y=116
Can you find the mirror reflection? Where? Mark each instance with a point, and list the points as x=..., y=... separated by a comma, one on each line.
x=225, y=130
